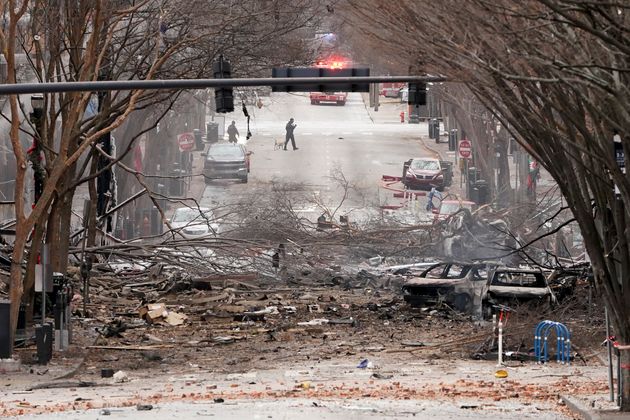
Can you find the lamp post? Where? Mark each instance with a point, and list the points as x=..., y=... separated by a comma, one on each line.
x=43, y=332
x=35, y=151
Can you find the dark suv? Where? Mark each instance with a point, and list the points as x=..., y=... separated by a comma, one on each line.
x=226, y=161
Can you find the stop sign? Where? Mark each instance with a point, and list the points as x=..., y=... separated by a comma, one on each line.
x=465, y=149
x=186, y=142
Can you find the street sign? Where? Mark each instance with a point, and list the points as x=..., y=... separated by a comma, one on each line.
x=186, y=142
x=465, y=149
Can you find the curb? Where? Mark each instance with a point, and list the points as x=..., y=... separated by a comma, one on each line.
x=424, y=141
x=579, y=409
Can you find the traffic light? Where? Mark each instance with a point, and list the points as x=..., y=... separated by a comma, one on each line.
x=321, y=72
x=223, y=97
x=417, y=94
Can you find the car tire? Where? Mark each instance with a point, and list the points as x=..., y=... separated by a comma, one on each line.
x=244, y=180
x=207, y=180
x=313, y=102
x=341, y=103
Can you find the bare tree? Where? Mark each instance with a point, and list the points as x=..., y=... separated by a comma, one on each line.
x=111, y=39
x=556, y=73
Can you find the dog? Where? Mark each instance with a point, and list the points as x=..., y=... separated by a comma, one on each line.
x=278, y=144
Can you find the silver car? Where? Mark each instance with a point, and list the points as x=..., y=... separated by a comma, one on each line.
x=195, y=223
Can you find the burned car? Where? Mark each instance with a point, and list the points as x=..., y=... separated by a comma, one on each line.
x=517, y=285
x=461, y=286
x=477, y=288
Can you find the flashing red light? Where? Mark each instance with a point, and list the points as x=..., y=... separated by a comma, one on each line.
x=333, y=63
x=336, y=65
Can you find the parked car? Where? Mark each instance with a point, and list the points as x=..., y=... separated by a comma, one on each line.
x=518, y=285
x=476, y=288
x=338, y=98
x=424, y=173
x=195, y=223
x=390, y=92
x=227, y=161
x=448, y=208
x=461, y=286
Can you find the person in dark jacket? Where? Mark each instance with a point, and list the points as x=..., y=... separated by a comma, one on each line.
x=290, y=127
x=232, y=133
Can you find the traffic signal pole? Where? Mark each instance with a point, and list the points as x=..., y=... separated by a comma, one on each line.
x=180, y=84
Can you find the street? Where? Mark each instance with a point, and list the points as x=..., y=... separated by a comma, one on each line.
x=332, y=140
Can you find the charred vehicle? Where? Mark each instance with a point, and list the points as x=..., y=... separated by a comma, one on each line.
x=461, y=286
x=515, y=285
x=476, y=288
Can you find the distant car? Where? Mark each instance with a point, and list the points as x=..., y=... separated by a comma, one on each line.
x=424, y=173
x=390, y=92
x=194, y=223
x=226, y=161
x=338, y=98
x=449, y=207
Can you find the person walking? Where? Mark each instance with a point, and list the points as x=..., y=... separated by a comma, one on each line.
x=433, y=193
x=233, y=133
x=289, y=136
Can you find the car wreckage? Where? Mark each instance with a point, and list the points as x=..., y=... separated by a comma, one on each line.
x=476, y=288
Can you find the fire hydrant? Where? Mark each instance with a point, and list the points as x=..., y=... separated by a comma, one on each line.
x=402, y=117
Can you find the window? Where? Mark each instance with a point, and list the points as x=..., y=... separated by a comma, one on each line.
x=480, y=274
x=185, y=215
x=517, y=279
x=457, y=271
x=435, y=272
x=427, y=165
x=223, y=151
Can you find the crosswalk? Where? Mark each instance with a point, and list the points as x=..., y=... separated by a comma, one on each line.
x=323, y=134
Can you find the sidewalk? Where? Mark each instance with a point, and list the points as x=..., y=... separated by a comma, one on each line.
x=389, y=113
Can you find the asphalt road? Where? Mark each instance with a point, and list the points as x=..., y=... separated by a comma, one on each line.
x=331, y=140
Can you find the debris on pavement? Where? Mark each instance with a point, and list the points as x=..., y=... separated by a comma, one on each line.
x=121, y=376
x=157, y=312
x=365, y=364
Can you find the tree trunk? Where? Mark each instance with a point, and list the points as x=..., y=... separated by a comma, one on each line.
x=62, y=208
x=625, y=378
x=504, y=188
x=28, y=298
x=16, y=283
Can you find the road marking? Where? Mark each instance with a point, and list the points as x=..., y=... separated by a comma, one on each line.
x=347, y=132
x=267, y=134
x=307, y=134
x=326, y=134
x=367, y=133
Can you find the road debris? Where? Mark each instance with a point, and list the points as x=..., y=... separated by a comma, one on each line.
x=121, y=376
x=365, y=364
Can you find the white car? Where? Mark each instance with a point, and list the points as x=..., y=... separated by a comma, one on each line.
x=195, y=223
